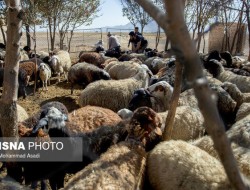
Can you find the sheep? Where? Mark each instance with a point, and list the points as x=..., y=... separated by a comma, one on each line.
x=60, y=63
x=44, y=74
x=225, y=103
x=123, y=165
x=216, y=68
x=156, y=96
x=108, y=61
x=238, y=135
x=122, y=70
x=125, y=113
x=188, y=124
x=92, y=58
x=89, y=118
x=114, y=94
x=243, y=111
x=94, y=143
x=23, y=78
x=85, y=73
x=235, y=93
x=33, y=120
x=21, y=113
x=179, y=165
x=23, y=55
x=30, y=68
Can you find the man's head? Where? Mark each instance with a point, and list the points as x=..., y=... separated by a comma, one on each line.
x=132, y=35
x=109, y=34
x=136, y=29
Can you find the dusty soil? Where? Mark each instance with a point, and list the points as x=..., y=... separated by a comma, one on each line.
x=56, y=92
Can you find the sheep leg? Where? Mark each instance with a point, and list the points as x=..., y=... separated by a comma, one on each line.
x=43, y=84
x=46, y=87
x=58, y=77
x=72, y=88
x=56, y=182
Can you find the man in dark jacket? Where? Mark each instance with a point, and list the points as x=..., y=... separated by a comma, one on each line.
x=139, y=43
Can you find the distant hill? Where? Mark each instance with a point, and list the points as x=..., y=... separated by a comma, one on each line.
x=151, y=27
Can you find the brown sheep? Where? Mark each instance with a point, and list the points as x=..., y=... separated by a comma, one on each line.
x=92, y=58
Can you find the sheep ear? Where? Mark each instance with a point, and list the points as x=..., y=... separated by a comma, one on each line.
x=43, y=122
x=65, y=117
x=158, y=131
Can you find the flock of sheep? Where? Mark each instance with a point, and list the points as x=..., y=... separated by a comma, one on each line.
x=122, y=111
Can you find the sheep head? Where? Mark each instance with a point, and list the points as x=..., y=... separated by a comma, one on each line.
x=144, y=126
x=214, y=67
x=53, y=123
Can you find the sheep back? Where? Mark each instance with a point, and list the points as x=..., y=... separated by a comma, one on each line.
x=112, y=94
x=121, y=167
x=92, y=58
x=123, y=70
x=89, y=118
x=21, y=113
x=179, y=165
x=85, y=73
x=188, y=124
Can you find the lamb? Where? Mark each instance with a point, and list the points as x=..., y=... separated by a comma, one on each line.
x=216, y=68
x=115, y=94
x=179, y=165
x=44, y=74
x=94, y=143
x=85, y=73
x=92, y=58
x=60, y=63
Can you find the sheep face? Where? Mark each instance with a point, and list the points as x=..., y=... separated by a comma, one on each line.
x=140, y=98
x=54, y=62
x=214, y=67
x=54, y=119
x=42, y=67
x=161, y=89
x=144, y=125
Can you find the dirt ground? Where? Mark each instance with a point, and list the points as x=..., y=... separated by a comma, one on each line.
x=56, y=92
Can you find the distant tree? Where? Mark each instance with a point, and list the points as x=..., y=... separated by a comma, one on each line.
x=135, y=13
x=246, y=4
x=75, y=14
x=32, y=18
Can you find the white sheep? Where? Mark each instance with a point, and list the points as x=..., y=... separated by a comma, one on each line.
x=239, y=136
x=21, y=113
x=121, y=167
x=122, y=70
x=188, y=124
x=60, y=63
x=45, y=74
x=179, y=165
x=125, y=113
x=163, y=92
x=218, y=71
x=113, y=94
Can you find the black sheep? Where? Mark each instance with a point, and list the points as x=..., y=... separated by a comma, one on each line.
x=140, y=98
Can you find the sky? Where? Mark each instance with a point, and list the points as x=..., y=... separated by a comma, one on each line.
x=111, y=15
